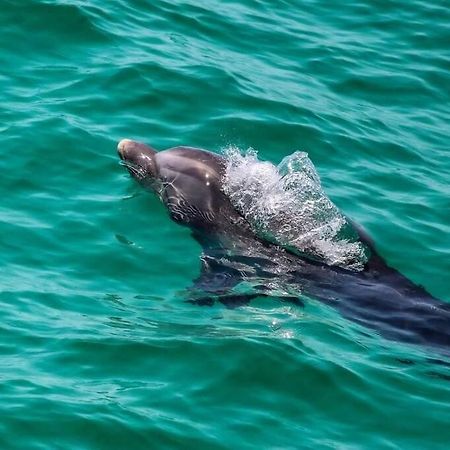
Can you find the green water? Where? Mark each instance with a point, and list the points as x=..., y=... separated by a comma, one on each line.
x=98, y=348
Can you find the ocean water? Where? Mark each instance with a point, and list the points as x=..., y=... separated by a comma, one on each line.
x=98, y=347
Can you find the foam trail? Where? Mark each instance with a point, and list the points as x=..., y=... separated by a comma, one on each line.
x=287, y=205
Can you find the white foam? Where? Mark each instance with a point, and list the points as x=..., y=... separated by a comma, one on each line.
x=287, y=205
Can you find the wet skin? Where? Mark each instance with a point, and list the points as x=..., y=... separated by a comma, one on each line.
x=189, y=183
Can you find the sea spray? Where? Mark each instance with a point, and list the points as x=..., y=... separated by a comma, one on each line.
x=287, y=205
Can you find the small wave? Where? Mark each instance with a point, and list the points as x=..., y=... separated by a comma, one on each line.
x=286, y=205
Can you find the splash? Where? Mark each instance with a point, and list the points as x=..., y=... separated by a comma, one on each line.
x=286, y=205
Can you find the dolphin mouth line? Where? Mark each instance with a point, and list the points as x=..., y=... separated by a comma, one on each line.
x=135, y=170
x=140, y=174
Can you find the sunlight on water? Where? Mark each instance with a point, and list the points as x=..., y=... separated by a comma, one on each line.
x=287, y=205
x=99, y=347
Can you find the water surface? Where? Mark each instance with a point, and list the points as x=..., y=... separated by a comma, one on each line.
x=98, y=347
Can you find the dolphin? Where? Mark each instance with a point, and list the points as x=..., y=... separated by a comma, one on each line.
x=189, y=182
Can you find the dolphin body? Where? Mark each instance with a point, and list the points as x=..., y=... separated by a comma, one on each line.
x=189, y=183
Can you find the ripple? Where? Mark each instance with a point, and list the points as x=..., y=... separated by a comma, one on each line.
x=96, y=334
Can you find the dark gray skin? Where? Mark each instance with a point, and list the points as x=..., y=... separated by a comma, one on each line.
x=189, y=183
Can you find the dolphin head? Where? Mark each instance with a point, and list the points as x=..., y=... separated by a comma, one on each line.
x=187, y=180
x=139, y=159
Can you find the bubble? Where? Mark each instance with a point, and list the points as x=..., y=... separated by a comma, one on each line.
x=287, y=205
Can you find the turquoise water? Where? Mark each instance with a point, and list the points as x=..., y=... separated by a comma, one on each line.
x=98, y=347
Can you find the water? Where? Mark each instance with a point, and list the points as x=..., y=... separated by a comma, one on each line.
x=98, y=347
x=286, y=205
